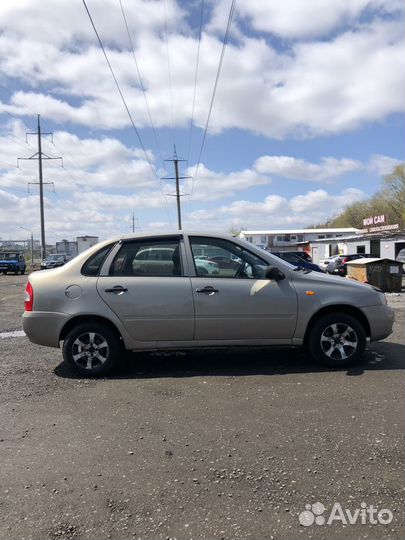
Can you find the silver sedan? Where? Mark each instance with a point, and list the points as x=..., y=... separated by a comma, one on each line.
x=145, y=292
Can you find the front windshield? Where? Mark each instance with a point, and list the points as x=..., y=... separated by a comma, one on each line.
x=55, y=257
x=9, y=256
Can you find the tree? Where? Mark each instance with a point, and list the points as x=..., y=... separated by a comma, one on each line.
x=389, y=200
x=394, y=193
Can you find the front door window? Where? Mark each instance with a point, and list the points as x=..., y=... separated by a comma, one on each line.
x=215, y=257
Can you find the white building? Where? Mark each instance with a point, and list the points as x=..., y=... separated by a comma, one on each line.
x=381, y=244
x=67, y=247
x=85, y=242
x=77, y=246
x=293, y=239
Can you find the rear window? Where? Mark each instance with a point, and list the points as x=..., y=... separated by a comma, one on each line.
x=93, y=265
x=148, y=258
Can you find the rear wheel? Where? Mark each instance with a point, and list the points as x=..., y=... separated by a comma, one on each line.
x=91, y=349
x=337, y=340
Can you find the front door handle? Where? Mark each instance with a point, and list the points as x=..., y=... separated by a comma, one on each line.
x=207, y=290
x=118, y=289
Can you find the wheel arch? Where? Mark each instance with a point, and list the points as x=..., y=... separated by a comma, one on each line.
x=79, y=319
x=341, y=308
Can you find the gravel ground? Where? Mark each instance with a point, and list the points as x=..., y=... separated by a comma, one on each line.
x=209, y=444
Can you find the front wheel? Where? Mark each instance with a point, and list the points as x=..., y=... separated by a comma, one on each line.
x=337, y=340
x=91, y=349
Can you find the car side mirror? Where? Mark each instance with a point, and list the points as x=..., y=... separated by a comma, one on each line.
x=274, y=273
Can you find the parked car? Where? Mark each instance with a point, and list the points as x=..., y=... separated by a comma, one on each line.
x=55, y=260
x=12, y=261
x=323, y=263
x=222, y=262
x=102, y=302
x=299, y=262
x=206, y=267
x=338, y=265
x=148, y=258
x=401, y=258
x=303, y=254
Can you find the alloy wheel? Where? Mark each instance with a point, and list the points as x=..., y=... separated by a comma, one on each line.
x=90, y=350
x=339, y=341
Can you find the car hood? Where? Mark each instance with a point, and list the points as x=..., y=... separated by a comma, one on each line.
x=318, y=277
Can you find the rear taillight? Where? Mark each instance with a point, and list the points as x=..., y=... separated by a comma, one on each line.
x=28, y=297
x=345, y=259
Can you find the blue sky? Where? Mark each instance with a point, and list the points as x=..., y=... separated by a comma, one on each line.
x=307, y=118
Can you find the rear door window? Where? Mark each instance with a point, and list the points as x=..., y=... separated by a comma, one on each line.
x=148, y=258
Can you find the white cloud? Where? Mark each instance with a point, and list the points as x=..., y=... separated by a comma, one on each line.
x=313, y=88
x=383, y=165
x=337, y=66
x=302, y=210
x=63, y=21
x=293, y=19
x=300, y=169
x=211, y=185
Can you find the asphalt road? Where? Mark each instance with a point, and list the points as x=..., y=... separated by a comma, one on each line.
x=210, y=444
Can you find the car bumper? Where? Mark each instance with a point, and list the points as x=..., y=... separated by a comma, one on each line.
x=381, y=319
x=44, y=328
x=8, y=268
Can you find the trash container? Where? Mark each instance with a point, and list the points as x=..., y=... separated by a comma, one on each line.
x=386, y=274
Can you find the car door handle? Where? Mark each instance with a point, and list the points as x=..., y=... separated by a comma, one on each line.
x=207, y=290
x=118, y=289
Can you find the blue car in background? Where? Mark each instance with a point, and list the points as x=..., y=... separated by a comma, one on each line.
x=12, y=261
x=297, y=261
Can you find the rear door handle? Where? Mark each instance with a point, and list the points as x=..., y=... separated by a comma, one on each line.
x=207, y=290
x=118, y=289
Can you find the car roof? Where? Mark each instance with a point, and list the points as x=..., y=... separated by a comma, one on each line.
x=177, y=233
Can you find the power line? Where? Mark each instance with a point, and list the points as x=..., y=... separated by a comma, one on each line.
x=118, y=87
x=11, y=137
x=221, y=59
x=195, y=80
x=22, y=103
x=123, y=99
x=140, y=80
x=169, y=73
x=64, y=152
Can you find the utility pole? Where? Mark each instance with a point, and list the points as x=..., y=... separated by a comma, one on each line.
x=40, y=156
x=136, y=226
x=177, y=178
x=41, y=193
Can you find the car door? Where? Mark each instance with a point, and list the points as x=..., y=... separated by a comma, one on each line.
x=235, y=304
x=146, y=287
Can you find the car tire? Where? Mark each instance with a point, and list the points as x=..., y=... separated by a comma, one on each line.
x=91, y=349
x=337, y=340
x=22, y=272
